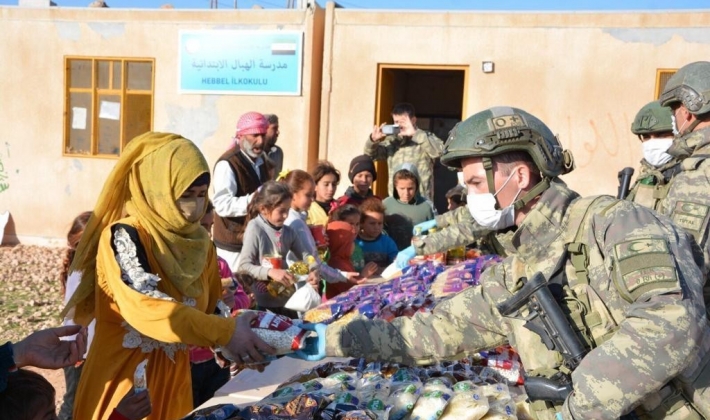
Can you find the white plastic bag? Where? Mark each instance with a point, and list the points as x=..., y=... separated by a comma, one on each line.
x=304, y=298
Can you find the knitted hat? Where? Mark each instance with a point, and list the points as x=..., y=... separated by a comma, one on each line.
x=252, y=123
x=360, y=164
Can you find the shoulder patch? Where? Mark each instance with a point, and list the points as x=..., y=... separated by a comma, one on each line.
x=690, y=216
x=644, y=265
x=628, y=249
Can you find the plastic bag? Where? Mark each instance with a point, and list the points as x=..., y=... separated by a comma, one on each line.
x=304, y=299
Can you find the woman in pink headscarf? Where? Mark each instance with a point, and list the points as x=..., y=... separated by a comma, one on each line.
x=238, y=173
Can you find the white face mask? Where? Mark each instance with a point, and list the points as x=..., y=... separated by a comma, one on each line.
x=483, y=209
x=191, y=208
x=677, y=131
x=654, y=151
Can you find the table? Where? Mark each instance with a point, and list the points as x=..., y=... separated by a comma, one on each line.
x=250, y=386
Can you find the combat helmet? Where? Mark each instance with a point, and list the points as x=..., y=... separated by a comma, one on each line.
x=652, y=118
x=690, y=85
x=505, y=129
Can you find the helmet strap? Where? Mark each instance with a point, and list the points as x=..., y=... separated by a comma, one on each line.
x=538, y=189
x=488, y=166
x=694, y=124
x=523, y=201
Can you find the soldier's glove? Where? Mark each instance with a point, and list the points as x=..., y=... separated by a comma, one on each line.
x=424, y=226
x=404, y=256
x=314, y=350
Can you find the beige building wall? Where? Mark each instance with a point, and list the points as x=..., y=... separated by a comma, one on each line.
x=46, y=189
x=584, y=74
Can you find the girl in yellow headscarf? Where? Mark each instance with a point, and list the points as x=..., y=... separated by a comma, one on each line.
x=150, y=279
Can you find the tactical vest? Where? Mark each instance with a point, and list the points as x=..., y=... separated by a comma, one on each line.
x=229, y=231
x=650, y=195
x=595, y=324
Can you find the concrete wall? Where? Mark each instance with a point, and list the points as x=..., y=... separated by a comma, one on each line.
x=47, y=190
x=584, y=74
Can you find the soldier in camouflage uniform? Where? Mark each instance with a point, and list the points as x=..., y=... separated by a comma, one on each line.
x=628, y=282
x=411, y=145
x=687, y=202
x=654, y=127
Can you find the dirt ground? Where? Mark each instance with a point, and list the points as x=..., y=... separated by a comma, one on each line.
x=31, y=297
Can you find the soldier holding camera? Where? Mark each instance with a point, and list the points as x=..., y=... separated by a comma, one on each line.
x=402, y=143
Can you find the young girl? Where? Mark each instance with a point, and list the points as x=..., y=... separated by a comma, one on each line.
x=301, y=185
x=267, y=241
x=376, y=247
x=341, y=236
x=149, y=278
x=207, y=375
x=72, y=373
x=351, y=214
x=326, y=179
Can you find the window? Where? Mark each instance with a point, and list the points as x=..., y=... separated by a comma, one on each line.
x=108, y=102
x=662, y=76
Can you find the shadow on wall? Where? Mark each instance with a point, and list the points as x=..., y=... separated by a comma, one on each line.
x=8, y=235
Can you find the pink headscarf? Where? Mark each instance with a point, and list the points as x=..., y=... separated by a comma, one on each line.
x=250, y=123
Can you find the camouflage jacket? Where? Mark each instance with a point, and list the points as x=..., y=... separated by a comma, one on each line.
x=688, y=200
x=456, y=228
x=652, y=183
x=422, y=150
x=644, y=290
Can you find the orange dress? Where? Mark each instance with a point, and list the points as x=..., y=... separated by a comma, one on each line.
x=132, y=326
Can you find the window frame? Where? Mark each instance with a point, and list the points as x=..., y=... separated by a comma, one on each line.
x=660, y=73
x=124, y=92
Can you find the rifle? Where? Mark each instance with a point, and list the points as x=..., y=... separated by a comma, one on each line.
x=547, y=320
x=624, y=176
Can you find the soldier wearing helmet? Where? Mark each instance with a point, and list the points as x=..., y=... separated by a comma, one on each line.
x=687, y=200
x=654, y=127
x=627, y=283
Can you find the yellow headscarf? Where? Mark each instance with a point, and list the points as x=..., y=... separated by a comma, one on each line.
x=152, y=173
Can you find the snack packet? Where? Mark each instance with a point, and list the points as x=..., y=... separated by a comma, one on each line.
x=140, y=381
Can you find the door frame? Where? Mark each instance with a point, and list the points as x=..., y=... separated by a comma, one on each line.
x=384, y=102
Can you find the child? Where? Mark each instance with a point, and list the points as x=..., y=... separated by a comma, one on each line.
x=302, y=187
x=207, y=375
x=362, y=174
x=72, y=373
x=327, y=179
x=341, y=236
x=30, y=396
x=407, y=207
x=267, y=241
x=351, y=214
x=376, y=247
x=456, y=197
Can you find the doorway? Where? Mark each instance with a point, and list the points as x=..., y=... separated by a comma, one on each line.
x=437, y=93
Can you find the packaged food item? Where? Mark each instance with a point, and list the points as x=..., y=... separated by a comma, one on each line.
x=279, y=332
x=466, y=405
x=402, y=401
x=140, y=381
x=441, y=383
x=466, y=386
x=430, y=405
x=285, y=393
x=341, y=380
x=501, y=409
x=455, y=255
x=218, y=412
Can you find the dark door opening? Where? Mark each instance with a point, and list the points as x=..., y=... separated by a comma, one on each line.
x=437, y=93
